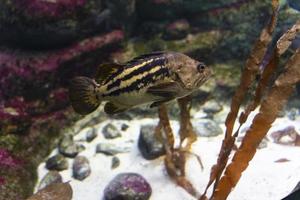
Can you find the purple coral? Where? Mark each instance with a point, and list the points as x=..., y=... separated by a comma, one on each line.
x=19, y=68
x=48, y=8
x=128, y=186
x=7, y=160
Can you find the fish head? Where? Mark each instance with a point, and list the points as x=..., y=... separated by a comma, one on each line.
x=190, y=72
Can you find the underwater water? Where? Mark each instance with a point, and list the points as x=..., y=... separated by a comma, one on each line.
x=167, y=89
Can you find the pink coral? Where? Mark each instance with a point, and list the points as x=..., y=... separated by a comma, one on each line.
x=23, y=66
x=7, y=160
x=48, y=8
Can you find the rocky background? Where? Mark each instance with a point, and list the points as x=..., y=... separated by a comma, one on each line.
x=45, y=43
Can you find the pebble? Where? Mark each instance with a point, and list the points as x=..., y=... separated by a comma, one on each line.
x=128, y=186
x=286, y=136
x=212, y=107
x=57, y=162
x=124, y=127
x=81, y=168
x=206, y=128
x=110, y=149
x=110, y=131
x=115, y=162
x=68, y=147
x=49, y=178
x=91, y=134
x=149, y=146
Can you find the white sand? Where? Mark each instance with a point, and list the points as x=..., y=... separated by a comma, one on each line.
x=264, y=179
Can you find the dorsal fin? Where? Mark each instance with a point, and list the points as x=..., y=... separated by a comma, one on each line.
x=105, y=70
x=147, y=55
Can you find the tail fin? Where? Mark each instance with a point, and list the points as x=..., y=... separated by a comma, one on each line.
x=82, y=95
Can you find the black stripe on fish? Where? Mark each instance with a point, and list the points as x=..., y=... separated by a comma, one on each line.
x=140, y=70
x=113, y=75
x=130, y=64
x=142, y=82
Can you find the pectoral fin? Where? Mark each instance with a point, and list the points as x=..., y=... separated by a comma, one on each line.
x=111, y=108
x=158, y=103
x=167, y=90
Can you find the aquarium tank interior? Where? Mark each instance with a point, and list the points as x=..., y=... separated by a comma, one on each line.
x=149, y=99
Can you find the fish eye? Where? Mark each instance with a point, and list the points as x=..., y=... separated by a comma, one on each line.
x=201, y=67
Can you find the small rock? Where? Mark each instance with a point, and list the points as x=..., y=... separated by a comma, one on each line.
x=282, y=160
x=176, y=30
x=57, y=162
x=81, y=168
x=206, y=128
x=110, y=131
x=49, y=178
x=91, y=134
x=67, y=146
x=128, y=186
x=286, y=136
x=149, y=146
x=115, y=162
x=124, y=127
x=110, y=149
x=212, y=107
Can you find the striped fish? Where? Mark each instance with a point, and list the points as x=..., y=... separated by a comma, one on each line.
x=153, y=79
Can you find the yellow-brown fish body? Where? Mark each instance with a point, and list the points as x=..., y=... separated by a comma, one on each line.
x=149, y=79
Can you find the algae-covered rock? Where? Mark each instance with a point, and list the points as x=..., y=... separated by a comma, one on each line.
x=111, y=149
x=110, y=131
x=128, y=186
x=91, y=134
x=206, y=128
x=68, y=147
x=150, y=146
x=43, y=24
x=57, y=162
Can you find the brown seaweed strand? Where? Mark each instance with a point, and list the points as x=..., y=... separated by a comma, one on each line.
x=282, y=45
x=248, y=76
x=186, y=129
x=165, y=123
x=251, y=69
x=285, y=41
x=270, y=107
x=175, y=158
x=175, y=166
